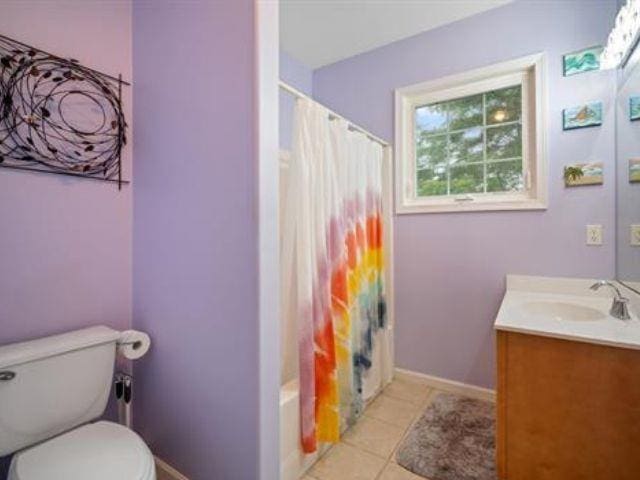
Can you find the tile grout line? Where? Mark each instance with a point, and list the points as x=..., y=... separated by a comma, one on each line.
x=359, y=447
x=417, y=406
x=320, y=457
x=420, y=409
x=419, y=413
x=432, y=393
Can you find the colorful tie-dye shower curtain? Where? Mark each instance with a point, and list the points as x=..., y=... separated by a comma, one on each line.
x=334, y=271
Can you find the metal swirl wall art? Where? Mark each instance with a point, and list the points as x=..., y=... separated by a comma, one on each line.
x=57, y=116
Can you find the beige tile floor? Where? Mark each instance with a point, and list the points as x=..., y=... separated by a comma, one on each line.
x=367, y=450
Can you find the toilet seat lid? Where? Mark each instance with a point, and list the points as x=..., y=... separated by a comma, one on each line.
x=98, y=451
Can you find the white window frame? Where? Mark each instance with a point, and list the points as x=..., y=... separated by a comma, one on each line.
x=529, y=71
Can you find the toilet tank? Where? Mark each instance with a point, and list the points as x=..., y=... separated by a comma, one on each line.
x=52, y=384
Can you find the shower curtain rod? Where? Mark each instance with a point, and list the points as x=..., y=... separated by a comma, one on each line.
x=333, y=115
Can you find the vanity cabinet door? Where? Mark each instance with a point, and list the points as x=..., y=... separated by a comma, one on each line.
x=567, y=410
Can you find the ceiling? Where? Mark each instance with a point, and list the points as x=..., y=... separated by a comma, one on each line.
x=320, y=32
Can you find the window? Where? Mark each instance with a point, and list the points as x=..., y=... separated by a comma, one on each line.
x=473, y=141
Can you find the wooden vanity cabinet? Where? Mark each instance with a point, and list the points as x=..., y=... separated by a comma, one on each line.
x=566, y=410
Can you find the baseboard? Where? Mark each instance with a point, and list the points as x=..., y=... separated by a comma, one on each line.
x=448, y=385
x=164, y=471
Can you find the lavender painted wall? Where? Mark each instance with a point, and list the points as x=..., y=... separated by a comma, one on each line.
x=298, y=76
x=65, y=243
x=196, y=234
x=450, y=268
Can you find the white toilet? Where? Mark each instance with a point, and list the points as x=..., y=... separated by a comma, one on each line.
x=50, y=391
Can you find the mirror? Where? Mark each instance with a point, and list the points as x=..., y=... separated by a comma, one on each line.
x=628, y=172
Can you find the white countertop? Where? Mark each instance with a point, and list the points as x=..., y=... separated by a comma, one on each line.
x=522, y=291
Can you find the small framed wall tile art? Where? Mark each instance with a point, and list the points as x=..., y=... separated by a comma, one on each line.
x=581, y=174
x=634, y=170
x=581, y=61
x=582, y=116
x=634, y=108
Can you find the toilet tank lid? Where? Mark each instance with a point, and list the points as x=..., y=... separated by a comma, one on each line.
x=23, y=352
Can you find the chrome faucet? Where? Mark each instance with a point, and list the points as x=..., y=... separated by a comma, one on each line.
x=619, y=308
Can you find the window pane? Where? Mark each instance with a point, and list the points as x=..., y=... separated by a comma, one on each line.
x=504, y=142
x=465, y=112
x=504, y=105
x=431, y=118
x=432, y=181
x=431, y=151
x=466, y=146
x=467, y=179
x=504, y=176
x=470, y=145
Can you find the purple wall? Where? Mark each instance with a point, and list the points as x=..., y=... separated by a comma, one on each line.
x=298, y=76
x=65, y=243
x=450, y=268
x=196, y=233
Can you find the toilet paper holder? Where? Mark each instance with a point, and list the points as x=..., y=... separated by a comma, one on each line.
x=135, y=344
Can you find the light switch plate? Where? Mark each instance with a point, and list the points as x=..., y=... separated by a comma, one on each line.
x=594, y=234
x=635, y=236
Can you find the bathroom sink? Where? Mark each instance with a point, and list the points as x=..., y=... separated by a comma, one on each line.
x=566, y=309
x=563, y=311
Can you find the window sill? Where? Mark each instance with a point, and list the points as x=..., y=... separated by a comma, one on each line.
x=449, y=206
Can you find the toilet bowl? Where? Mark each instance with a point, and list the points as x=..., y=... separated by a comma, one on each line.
x=98, y=451
x=53, y=392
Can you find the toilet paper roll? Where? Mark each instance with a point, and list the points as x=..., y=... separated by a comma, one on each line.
x=133, y=344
